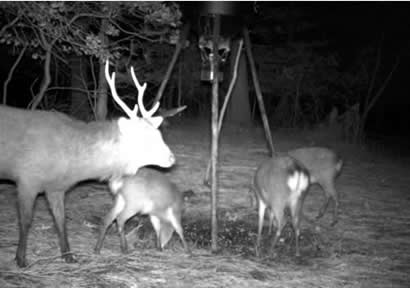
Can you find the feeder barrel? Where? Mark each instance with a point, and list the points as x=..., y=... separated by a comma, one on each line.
x=219, y=7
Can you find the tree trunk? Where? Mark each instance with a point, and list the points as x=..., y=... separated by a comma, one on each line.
x=296, y=105
x=239, y=111
x=45, y=82
x=372, y=97
x=179, y=46
x=101, y=107
x=215, y=137
x=80, y=107
x=102, y=96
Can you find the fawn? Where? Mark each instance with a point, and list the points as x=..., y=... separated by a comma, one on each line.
x=280, y=182
x=148, y=192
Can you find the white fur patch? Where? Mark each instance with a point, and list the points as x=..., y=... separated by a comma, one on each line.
x=171, y=217
x=303, y=182
x=156, y=223
x=297, y=183
x=119, y=205
x=147, y=207
x=116, y=185
x=262, y=208
x=293, y=181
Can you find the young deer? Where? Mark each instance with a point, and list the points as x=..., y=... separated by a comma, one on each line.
x=148, y=192
x=280, y=182
x=324, y=166
x=49, y=152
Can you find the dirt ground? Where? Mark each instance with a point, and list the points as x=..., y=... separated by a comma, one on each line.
x=369, y=247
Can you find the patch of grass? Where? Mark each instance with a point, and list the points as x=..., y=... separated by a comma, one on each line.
x=367, y=248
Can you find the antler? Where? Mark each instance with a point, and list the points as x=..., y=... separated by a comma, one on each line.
x=141, y=89
x=111, y=82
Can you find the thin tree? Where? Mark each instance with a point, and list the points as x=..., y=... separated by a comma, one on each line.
x=373, y=92
x=55, y=30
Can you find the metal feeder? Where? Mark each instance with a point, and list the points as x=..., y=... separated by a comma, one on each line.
x=205, y=43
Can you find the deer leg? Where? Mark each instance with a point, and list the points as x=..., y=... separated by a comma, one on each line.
x=156, y=223
x=279, y=215
x=123, y=239
x=261, y=213
x=56, y=202
x=271, y=218
x=296, y=212
x=108, y=219
x=331, y=194
x=176, y=223
x=26, y=199
x=122, y=218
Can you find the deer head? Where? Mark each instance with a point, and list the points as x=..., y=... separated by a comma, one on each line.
x=141, y=140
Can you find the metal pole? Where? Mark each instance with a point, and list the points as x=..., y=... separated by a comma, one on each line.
x=225, y=104
x=214, y=145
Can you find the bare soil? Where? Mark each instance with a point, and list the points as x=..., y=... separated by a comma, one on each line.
x=369, y=247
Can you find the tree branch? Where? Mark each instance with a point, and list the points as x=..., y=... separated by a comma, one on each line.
x=46, y=75
x=376, y=69
x=67, y=88
x=372, y=102
x=11, y=24
x=138, y=35
x=180, y=45
x=11, y=72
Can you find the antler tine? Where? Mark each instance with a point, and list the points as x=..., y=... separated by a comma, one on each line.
x=111, y=82
x=141, y=90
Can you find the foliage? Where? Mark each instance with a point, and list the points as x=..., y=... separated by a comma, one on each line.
x=298, y=72
x=303, y=83
x=74, y=26
x=366, y=81
x=301, y=80
x=52, y=32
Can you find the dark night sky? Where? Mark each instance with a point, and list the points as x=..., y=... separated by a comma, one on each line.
x=351, y=24
x=347, y=26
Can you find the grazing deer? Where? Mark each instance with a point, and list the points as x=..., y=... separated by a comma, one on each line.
x=148, y=192
x=49, y=152
x=324, y=166
x=280, y=182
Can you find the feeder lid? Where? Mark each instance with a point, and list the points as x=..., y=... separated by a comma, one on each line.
x=219, y=7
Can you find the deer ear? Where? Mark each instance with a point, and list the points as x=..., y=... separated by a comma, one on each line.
x=155, y=121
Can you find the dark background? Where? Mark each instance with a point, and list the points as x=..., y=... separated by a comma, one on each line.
x=349, y=25
x=346, y=25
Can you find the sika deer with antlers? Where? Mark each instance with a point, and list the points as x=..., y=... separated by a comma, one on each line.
x=49, y=152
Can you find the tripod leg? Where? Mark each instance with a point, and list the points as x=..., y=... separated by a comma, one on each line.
x=258, y=89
